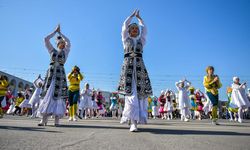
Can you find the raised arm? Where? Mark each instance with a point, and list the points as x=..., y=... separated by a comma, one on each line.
x=238, y=87
x=80, y=76
x=243, y=85
x=143, y=28
x=47, y=41
x=35, y=83
x=177, y=85
x=188, y=84
x=125, y=25
x=70, y=75
x=68, y=44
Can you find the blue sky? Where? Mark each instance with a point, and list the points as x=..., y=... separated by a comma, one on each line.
x=184, y=36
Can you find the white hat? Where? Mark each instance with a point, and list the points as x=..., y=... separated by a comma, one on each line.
x=235, y=78
x=181, y=81
x=162, y=92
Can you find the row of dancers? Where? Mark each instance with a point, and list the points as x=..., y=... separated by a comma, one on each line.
x=92, y=103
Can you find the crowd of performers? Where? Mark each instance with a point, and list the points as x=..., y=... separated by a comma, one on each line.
x=133, y=102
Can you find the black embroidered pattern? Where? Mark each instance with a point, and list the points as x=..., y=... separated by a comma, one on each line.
x=56, y=71
x=144, y=88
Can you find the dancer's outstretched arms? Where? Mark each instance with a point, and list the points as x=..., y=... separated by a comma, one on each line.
x=177, y=85
x=125, y=25
x=243, y=85
x=143, y=28
x=188, y=84
x=48, y=45
x=68, y=44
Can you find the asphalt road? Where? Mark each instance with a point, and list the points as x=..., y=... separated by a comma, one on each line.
x=107, y=134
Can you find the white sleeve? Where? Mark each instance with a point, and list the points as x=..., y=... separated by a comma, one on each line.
x=35, y=85
x=68, y=44
x=125, y=25
x=82, y=92
x=188, y=85
x=242, y=86
x=47, y=42
x=143, y=32
x=177, y=85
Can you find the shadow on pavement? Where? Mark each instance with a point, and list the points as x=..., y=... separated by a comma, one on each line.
x=36, y=129
x=162, y=131
x=192, y=132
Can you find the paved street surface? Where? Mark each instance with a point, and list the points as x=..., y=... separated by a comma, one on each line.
x=23, y=133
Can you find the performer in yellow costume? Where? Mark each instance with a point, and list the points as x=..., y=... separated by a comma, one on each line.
x=75, y=77
x=212, y=83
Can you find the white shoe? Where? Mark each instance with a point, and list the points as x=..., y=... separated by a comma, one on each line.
x=42, y=123
x=235, y=119
x=231, y=120
x=168, y=119
x=70, y=119
x=240, y=120
x=186, y=120
x=133, y=128
x=74, y=118
x=85, y=117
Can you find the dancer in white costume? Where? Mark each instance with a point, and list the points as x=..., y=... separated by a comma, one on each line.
x=239, y=97
x=85, y=102
x=54, y=90
x=35, y=99
x=168, y=107
x=184, y=102
x=134, y=80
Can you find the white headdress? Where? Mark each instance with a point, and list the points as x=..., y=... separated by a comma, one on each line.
x=197, y=90
x=235, y=78
x=162, y=92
